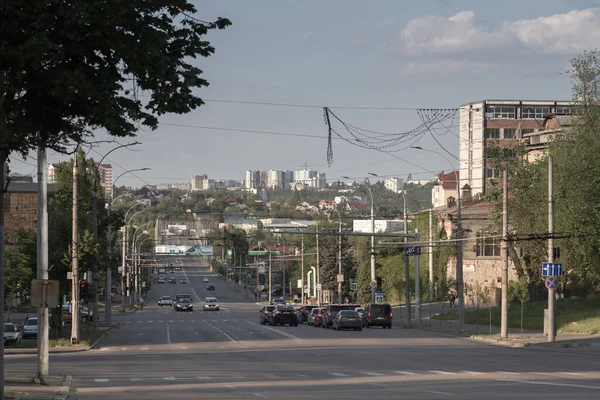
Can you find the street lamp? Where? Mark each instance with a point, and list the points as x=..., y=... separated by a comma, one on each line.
x=108, y=290
x=133, y=299
x=339, y=255
x=406, y=264
x=373, y=274
x=318, y=271
x=459, y=255
x=123, y=264
x=270, y=277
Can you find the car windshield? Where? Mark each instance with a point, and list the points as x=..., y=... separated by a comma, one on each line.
x=336, y=309
x=285, y=307
x=270, y=308
x=31, y=322
x=211, y=300
x=184, y=300
x=10, y=328
x=166, y=298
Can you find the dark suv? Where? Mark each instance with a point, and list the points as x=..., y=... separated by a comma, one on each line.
x=377, y=315
x=283, y=314
x=333, y=309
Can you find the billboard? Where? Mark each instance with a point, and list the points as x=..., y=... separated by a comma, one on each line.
x=196, y=250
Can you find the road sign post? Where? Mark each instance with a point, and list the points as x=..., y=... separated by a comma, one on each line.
x=353, y=286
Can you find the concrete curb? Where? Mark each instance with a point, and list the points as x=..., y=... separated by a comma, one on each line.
x=104, y=335
x=65, y=390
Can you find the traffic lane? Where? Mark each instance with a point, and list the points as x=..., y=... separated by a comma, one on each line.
x=224, y=291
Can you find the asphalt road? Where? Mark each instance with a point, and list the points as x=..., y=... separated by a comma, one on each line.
x=158, y=353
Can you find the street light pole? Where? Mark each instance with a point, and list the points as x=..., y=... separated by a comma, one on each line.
x=459, y=256
x=339, y=255
x=123, y=262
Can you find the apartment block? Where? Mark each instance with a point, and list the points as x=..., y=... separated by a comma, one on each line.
x=106, y=179
x=504, y=122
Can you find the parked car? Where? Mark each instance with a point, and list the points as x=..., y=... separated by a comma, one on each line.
x=312, y=315
x=304, y=311
x=66, y=313
x=318, y=318
x=347, y=319
x=30, y=328
x=211, y=304
x=165, y=301
x=359, y=310
x=265, y=312
x=12, y=334
x=332, y=309
x=377, y=315
x=278, y=300
x=283, y=314
x=184, y=304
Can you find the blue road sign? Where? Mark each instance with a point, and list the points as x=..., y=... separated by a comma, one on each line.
x=552, y=269
x=381, y=294
x=551, y=282
x=378, y=299
x=353, y=286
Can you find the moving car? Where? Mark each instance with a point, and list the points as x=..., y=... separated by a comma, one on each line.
x=312, y=315
x=347, y=319
x=211, y=304
x=205, y=279
x=210, y=287
x=12, y=335
x=377, y=315
x=183, y=280
x=161, y=280
x=172, y=280
x=278, y=300
x=184, y=304
x=165, y=301
x=283, y=314
x=30, y=328
x=182, y=296
x=265, y=313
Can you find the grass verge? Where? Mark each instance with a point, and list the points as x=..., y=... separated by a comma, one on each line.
x=87, y=336
x=573, y=316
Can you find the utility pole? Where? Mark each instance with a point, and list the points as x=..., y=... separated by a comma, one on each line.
x=318, y=273
x=75, y=258
x=373, y=271
x=339, y=262
x=459, y=257
x=430, y=258
x=406, y=266
x=42, y=260
x=124, y=267
x=551, y=296
x=302, y=274
x=108, y=289
x=417, y=280
x=3, y=188
x=504, y=283
x=94, y=280
x=270, y=275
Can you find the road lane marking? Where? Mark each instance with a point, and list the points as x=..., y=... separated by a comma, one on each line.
x=436, y=392
x=546, y=383
x=288, y=335
x=169, y=378
x=441, y=372
x=572, y=373
x=124, y=348
x=472, y=372
x=404, y=372
x=371, y=373
x=101, y=380
x=145, y=348
x=377, y=384
x=202, y=377
x=168, y=335
x=226, y=335
x=136, y=379
x=505, y=372
x=260, y=395
x=339, y=374
x=271, y=376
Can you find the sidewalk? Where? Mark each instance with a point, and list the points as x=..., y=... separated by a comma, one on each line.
x=23, y=385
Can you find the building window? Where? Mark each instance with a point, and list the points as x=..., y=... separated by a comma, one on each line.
x=510, y=133
x=487, y=245
x=526, y=131
x=491, y=133
x=564, y=110
x=499, y=112
x=491, y=173
x=535, y=112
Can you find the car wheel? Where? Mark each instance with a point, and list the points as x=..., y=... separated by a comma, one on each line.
x=390, y=326
x=295, y=324
x=360, y=329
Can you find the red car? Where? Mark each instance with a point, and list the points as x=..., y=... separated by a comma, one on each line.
x=318, y=317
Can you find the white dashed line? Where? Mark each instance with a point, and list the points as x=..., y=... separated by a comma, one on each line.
x=124, y=348
x=546, y=383
x=136, y=379
x=339, y=374
x=168, y=335
x=472, y=372
x=505, y=372
x=260, y=395
x=404, y=372
x=371, y=373
x=436, y=392
x=441, y=372
x=145, y=348
x=103, y=380
x=572, y=373
x=169, y=378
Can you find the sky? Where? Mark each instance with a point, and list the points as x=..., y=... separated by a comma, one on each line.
x=373, y=64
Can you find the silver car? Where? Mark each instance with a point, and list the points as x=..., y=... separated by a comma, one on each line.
x=30, y=328
x=211, y=304
x=12, y=335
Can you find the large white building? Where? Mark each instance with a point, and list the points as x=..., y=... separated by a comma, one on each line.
x=501, y=121
x=106, y=179
x=394, y=184
x=197, y=182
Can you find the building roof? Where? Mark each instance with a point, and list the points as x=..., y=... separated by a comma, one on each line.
x=516, y=102
x=448, y=180
x=107, y=166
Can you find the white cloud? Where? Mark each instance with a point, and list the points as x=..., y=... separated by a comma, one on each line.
x=560, y=33
x=443, y=67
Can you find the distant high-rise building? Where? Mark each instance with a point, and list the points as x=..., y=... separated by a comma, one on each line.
x=394, y=184
x=252, y=179
x=106, y=179
x=197, y=182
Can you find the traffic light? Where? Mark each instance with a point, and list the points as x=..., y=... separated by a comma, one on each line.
x=84, y=291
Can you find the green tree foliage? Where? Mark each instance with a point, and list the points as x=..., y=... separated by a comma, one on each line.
x=20, y=263
x=66, y=72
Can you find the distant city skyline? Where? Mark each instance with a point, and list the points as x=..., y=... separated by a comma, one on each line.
x=264, y=105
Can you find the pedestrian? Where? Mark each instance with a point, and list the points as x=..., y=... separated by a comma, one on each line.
x=295, y=299
x=256, y=296
x=452, y=298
